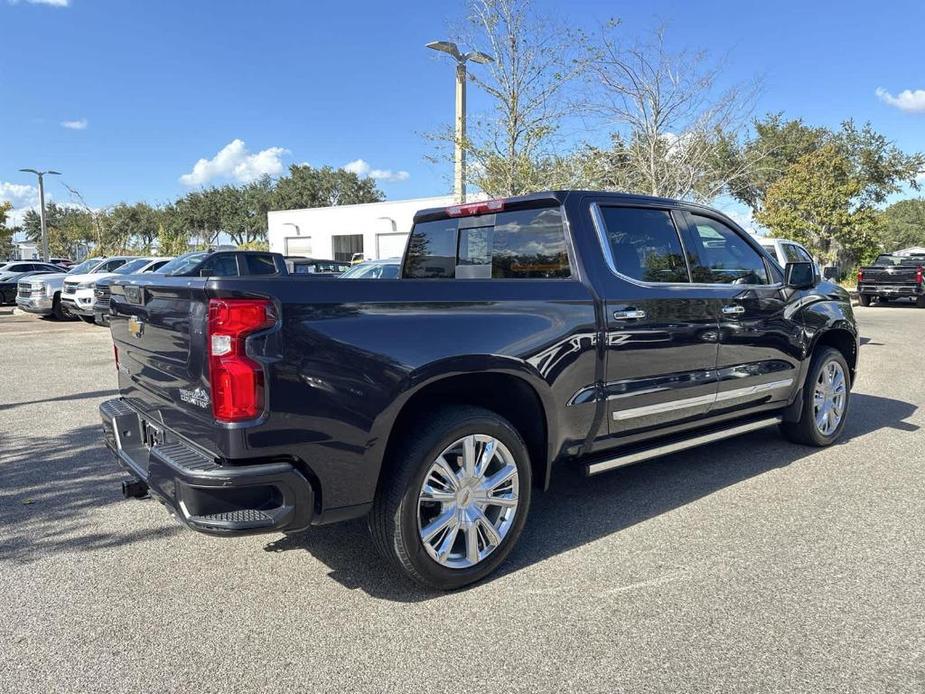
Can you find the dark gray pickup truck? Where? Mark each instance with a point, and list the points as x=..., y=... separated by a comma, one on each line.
x=565, y=328
x=892, y=277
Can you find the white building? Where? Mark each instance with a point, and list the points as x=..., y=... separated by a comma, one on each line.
x=377, y=229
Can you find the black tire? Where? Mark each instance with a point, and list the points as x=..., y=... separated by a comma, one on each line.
x=920, y=301
x=393, y=521
x=88, y=319
x=864, y=299
x=805, y=431
x=57, y=310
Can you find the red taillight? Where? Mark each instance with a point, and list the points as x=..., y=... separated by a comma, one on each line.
x=918, y=275
x=474, y=208
x=860, y=276
x=237, y=382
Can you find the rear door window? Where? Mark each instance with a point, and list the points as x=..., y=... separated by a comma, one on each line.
x=645, y=244
x=520, y=244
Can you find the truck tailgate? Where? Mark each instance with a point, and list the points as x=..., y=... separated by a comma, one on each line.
x=158, y=329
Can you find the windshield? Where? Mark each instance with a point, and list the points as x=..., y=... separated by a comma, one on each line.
x=85, y=266
x=183, y=263
x=131, y=266
x=372, y=271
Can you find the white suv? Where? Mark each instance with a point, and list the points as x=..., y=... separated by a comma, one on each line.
x=785, y=251
x=77, y=294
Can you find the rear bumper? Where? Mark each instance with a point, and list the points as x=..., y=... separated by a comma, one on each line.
x=891, y=289
x=208, y=497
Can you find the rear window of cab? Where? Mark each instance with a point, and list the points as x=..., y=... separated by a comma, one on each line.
x=520, y=244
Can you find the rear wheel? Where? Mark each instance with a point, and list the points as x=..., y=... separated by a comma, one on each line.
x=88, y=319
x=864, y=299
x=920, y=301
x=826, y=394
x=456, y=498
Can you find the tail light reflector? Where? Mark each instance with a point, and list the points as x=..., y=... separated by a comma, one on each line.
x=860, y=276
x=237, y=381
x=918, y=275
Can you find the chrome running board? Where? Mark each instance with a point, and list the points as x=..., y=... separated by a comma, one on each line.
x=637, y=456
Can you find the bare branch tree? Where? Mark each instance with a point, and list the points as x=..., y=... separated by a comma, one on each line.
x=675, y=133
x=512, y=149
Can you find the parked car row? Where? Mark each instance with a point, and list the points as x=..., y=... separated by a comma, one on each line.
x=83, y=291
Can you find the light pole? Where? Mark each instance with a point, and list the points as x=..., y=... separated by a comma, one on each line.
x=459, y=187
x=41, y=175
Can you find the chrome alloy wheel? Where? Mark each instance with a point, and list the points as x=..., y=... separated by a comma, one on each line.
x=829, y=398
x=468, y=501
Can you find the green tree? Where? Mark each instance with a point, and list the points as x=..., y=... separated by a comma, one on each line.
x=6, y=233
x=902, y=225
x=173, y=236
x=306, y=186
x=878, y=165
x=243, y=211
x=68, y=228
x=136, y=225
x=820, y=202
x=776, y=145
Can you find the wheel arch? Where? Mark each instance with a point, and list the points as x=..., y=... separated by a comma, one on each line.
x=523, y=402
x=843, y=339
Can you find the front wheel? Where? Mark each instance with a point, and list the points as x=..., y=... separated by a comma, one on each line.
x=88, y=319
x=455, y=499
x=826, y=394
x=864, y=299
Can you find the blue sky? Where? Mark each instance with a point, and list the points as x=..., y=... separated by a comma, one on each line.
x=126, y=97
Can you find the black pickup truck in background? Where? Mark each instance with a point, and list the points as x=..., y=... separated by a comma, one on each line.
x=892, y=277
x=563, y=328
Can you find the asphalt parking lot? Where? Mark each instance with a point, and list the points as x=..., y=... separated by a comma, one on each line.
x=749, y=565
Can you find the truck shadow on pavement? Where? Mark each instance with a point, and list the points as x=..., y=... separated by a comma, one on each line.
x=577, y=510
x=112, y=392
x=50, y=490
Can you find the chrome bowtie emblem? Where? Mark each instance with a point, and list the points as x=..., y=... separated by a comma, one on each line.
x=136, y=326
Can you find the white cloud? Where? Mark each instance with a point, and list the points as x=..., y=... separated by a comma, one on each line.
x=23, y=197
x=362, y=169
x=75, y=124
x=235, y=161
x=50, y=3
x=911, y=101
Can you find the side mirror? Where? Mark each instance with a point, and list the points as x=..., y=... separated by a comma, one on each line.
x=801, y=275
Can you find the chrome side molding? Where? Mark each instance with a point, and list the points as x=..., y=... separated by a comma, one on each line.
x=665, y=449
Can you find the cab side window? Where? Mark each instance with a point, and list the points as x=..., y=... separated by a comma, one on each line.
x=720, y=256
x=645, y=244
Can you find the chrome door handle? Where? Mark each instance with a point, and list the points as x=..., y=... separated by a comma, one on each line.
x=630, y=313
x=733, y=310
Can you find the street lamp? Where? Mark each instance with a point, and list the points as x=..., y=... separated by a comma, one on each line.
x=41, y=175
x=452, y=49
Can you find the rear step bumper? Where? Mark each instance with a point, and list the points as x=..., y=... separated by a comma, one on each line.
x=208, y=497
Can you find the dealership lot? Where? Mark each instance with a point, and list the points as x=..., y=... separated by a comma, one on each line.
x=750, y=564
